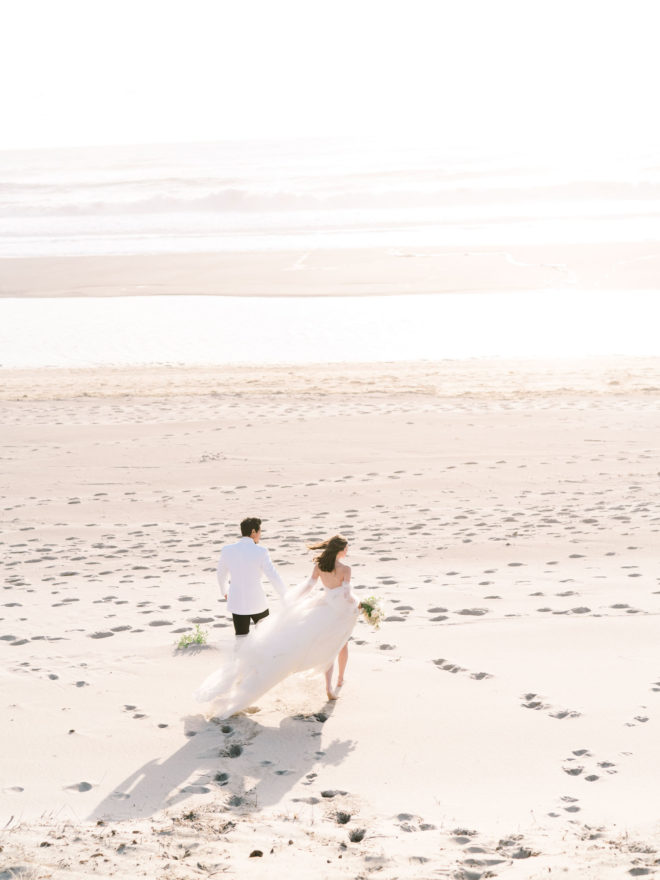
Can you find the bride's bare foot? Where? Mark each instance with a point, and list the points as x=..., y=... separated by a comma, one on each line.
x=331, y=696
x=340, y=683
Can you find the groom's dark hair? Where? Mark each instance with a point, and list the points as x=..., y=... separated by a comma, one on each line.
x=249, y=525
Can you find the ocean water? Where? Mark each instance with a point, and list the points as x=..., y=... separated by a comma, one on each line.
x=265, y=196
x=83, y=332
x=313, y=194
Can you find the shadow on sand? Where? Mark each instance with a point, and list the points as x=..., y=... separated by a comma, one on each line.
x=216, y=758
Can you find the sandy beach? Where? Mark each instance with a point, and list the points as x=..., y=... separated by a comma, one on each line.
x=351, y=271
x=500, y=723
x=389, y=271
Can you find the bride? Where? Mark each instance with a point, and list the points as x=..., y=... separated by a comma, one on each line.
x=308, y=633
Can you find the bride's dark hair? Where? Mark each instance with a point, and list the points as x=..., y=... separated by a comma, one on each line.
x=326, y=561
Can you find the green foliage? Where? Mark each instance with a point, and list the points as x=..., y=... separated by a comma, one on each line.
x=197, y=637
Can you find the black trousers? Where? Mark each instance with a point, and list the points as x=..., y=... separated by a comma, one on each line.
x=242, y=622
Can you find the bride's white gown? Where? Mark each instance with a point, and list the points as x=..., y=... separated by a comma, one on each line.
x=305, y=634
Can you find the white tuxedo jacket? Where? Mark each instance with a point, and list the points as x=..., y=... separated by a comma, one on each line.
x=244, y=563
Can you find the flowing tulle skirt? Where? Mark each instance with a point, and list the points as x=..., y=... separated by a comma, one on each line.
x=305, y=634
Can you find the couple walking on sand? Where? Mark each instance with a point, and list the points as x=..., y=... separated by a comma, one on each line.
x=308, y=632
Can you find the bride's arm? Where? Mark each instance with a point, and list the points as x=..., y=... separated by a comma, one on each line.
x=302, y=589
x=350, y=595
x=311, y=581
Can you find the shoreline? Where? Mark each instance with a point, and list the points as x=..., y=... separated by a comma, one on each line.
x=344, y=272
x=473, y=378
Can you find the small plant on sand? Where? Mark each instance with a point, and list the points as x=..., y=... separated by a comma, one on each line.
x=196, y=637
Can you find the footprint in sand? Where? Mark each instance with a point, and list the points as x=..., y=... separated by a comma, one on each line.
x=447, y=666
x=194, y=789
x=532, y=701
x=409, y=823
x=79, y=786
x=357, y=835
x=463, y=835
x=521, y=852
x=572, y=804
x=535, y=701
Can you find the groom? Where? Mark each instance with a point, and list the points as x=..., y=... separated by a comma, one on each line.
x=244, y=563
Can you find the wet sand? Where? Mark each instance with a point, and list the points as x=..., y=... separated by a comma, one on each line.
x=346, y=272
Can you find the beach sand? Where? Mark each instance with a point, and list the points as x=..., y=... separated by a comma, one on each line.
x=346, y=272
x=500, y=723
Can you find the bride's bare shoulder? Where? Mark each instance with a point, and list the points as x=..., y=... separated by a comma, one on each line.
x=344, y=571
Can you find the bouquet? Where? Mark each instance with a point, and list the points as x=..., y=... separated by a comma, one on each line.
x=371, y=611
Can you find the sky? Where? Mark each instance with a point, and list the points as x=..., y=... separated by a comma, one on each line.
x=84, y=72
